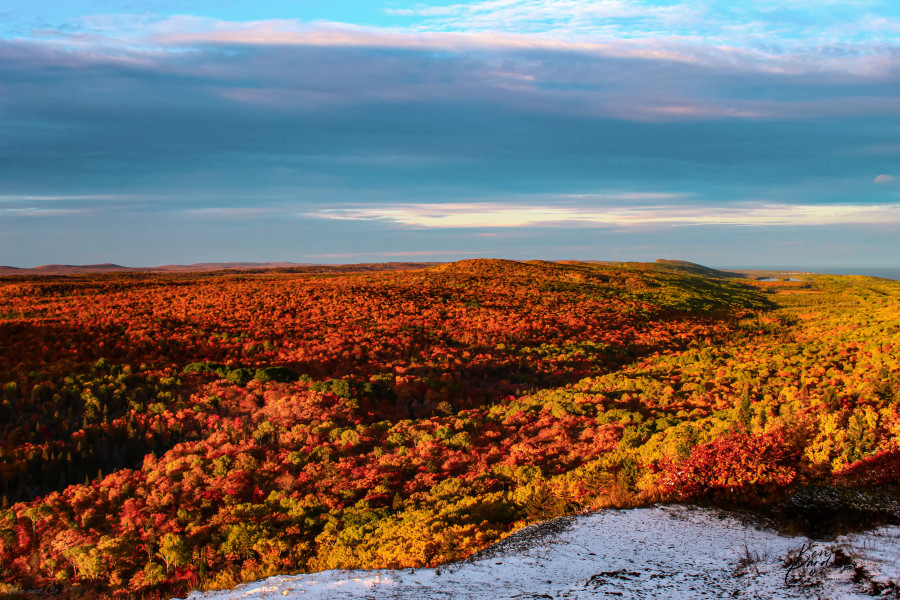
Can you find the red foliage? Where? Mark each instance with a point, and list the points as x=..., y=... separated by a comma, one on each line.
x=240, y=472
x=882, y=468
x=740, y=465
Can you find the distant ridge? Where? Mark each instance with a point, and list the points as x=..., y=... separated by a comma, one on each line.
x=207, y=267
x=114, y=268
x=66, y=269
x=224, y=266
x=671, y=264
x=689, y=267
x=57, y=270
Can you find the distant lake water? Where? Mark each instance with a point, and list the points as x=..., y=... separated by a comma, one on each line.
x=885, y=272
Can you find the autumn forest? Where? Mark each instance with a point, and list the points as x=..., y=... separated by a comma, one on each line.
x=161, y=433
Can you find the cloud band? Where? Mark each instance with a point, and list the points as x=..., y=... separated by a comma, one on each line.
x=480, y=215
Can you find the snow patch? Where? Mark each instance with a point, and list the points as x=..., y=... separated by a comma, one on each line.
x=659, y=552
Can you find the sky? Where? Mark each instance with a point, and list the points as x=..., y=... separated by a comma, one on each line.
x=725, y=133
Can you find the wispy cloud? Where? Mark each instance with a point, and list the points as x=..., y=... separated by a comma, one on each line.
x=296, y=68
x=742, y=40
x=313, y=136
x=884, y=179
x=569, y=16
x=240, y=213
x=41, y=212
x=491, y=215
x=713, y=22
x=58, y=198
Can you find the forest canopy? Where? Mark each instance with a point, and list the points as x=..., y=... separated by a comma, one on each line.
x=163, y=433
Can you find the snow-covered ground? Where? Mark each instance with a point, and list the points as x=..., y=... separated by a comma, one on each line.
x=662, y=552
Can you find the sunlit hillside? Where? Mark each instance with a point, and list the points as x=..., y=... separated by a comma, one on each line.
x=163, y=433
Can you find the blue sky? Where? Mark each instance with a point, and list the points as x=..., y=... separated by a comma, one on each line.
x=727, y=134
